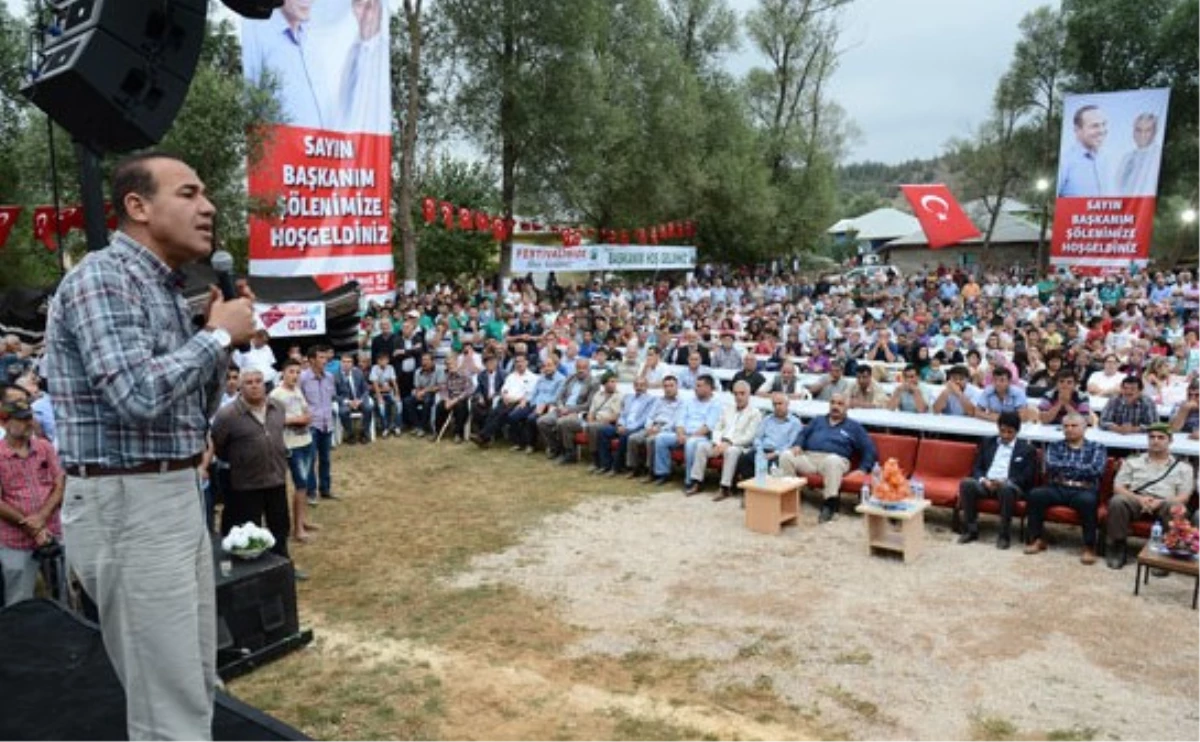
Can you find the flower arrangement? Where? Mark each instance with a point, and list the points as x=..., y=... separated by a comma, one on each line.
x=1182, y=537
x=248, y=541
x=893, y=485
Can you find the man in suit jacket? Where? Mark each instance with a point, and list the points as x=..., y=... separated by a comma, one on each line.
x=1004, y=468
x=690, y=344
x=487, y=390
x=353, y=395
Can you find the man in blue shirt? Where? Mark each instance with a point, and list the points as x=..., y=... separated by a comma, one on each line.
x=545, y=392
x=1074, y=467
x=1000, y=397
x=1085, y=170
x=825, y=446
x=694, y=424
x=635, y=411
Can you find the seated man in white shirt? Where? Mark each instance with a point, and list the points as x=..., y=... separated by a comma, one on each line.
x=733, y=435
x=259, y=357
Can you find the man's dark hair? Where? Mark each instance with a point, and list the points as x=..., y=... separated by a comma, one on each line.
x=1133, y=379
x=1002, y=371
x=911, y=367
x=958, y=371
x=131, y=175
x=1009, y=419
x=1064, y=374
x=707, y=379
x=288, y=362
x=1077, y=119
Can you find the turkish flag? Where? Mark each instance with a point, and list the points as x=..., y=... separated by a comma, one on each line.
x=447, y=210
x=428, y=209
x=942, y=219
x=8, y=220
x=43, y=226
x=482, y=222
x=466, y=220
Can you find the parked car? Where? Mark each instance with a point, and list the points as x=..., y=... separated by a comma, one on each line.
x=876, y=272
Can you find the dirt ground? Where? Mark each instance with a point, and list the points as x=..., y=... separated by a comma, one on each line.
x=493, y=596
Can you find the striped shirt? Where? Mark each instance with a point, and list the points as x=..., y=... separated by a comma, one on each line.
x=130, y=378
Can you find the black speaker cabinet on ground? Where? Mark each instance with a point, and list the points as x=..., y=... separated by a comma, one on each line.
x=256, y=613
x=114, y=73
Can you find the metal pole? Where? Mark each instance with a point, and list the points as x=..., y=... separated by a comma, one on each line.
x=62, y=257
x=91, y=187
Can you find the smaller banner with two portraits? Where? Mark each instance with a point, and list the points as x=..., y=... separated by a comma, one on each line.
x=1108, y=167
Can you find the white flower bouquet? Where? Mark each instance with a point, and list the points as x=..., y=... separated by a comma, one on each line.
x=248, y=541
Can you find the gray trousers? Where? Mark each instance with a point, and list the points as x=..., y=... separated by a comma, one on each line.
x=567, y=428
x=639, y=449
x=548, y=427
x=20, y=571
x=728, y=468
x=1123, y=510
x=141, y=550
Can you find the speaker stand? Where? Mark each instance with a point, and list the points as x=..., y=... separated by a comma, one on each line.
x=91, y=188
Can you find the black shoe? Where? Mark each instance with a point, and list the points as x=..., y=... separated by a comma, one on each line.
x=968, y=536
x=1003, y=541
x=660, y=481
x=828, y=510
x=329, y=496
x=1115, y=555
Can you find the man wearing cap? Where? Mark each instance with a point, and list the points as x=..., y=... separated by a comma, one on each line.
x=726, y=356
x=604, y=409
x=1147, y=484
x=518, y=387
x=1004, y=469
x=31, y=487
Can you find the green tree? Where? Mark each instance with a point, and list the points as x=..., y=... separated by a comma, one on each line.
x=452, y=254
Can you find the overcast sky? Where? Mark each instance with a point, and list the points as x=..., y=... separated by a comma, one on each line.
x=915, y=72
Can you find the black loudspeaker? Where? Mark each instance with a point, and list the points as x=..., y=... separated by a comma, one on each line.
x=257, y=619
x=114, y=73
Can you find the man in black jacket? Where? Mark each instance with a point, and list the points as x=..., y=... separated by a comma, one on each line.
x=1004, y=469
x=487, y=390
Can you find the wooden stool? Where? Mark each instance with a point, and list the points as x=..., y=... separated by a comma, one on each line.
x=898, y=531
x=773, y=503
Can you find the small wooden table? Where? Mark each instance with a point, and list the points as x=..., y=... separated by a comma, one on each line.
x=898, y=531
x=1148, y=559
x=770, y=505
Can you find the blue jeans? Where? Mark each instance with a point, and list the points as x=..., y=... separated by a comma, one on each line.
x=322, y=439
x=664, y=443
x=300, y=462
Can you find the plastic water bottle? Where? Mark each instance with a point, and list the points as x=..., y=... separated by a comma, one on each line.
x=773, y=472
x=865, y=497
x=760, y=468
x=876, y=476
x=1156, y=534
x=918, y=489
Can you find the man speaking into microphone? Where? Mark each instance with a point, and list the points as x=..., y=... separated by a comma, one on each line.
x=134, y=385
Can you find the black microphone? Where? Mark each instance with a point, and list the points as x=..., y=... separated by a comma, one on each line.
x=222, y=265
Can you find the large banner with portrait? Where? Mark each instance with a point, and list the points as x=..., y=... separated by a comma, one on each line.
x=1108, y=164
x=327, y=163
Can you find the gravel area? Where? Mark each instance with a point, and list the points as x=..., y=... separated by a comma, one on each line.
x=881, y=649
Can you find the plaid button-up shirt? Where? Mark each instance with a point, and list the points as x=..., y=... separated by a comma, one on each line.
x=1083, y=464
x=1119, y=412
x=25, y=484
x=130, y=378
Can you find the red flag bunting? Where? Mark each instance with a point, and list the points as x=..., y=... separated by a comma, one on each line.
x=447, y=210
x=8, y=220
x=43, y=227
x=465, y=219
x=942, y=219
x=428, y=209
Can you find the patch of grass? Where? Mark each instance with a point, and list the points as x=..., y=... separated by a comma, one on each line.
x=629, y=727
x=992, y=728
x=859, y=657
x=1074, y=734
x=865, y=709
